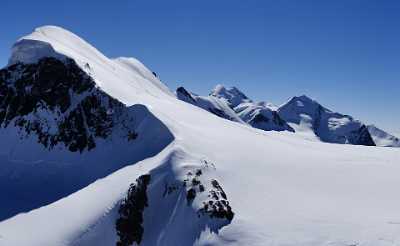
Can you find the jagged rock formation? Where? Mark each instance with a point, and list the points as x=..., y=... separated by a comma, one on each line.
x=129, y=225
x=161, y=200
x=59, y=103
x=217, y=206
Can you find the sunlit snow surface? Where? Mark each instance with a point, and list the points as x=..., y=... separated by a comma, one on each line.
x=284, y=189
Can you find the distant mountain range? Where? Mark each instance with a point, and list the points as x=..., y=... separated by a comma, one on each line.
x=300, y=114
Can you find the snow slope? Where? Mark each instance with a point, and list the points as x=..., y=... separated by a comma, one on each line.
x=382, y=138
x=283, y=189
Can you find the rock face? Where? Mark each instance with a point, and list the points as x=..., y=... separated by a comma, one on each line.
x=129, y=225
x=327, y=125
x=59, y=103
x=217, y=206
x=173, y=203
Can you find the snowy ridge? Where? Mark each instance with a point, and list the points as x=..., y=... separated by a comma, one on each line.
x=232, y=104
x=382, y=138
x=232, y=95
x=328, y=126
x=215, y=105
x=282, y=189
x=301, y=114
x=57, y=42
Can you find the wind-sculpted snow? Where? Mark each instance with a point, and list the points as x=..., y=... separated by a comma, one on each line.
x=118, y=78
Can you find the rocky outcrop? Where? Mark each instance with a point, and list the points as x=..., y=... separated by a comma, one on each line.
x=217, y=206
x=129, y=225
x=59, y=103
x=163, y=200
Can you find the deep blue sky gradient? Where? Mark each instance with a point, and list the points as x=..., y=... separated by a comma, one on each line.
x=344, y=53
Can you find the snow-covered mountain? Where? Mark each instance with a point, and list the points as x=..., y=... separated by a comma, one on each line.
x=382, y=138
x=161, y=171
x=300, y=114
x=331, y=127
x=213, y=104
x=232, y=95
x=232, y=104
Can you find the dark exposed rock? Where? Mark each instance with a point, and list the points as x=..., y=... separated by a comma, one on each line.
x=199, y=172
x=129, y=225
x=259, y=118
x=190, y=195
x=58, y=102
x=218, y=205
x=361, y=137
x=184, y=95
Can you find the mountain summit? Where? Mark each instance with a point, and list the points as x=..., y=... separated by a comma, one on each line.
x=328, y=126
x=232, y=95
x=299, y=114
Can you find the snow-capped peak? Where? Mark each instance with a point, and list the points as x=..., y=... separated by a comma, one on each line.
x=307, y=114
x=53, y=41
x=232, y=95
x=302, y=101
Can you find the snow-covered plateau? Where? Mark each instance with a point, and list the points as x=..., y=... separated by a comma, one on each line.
x=98, y=151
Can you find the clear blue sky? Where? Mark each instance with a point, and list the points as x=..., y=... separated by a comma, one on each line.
x=344, y=53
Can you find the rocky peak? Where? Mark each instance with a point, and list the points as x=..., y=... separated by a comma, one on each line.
x=231, y=94
x=184, y=95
